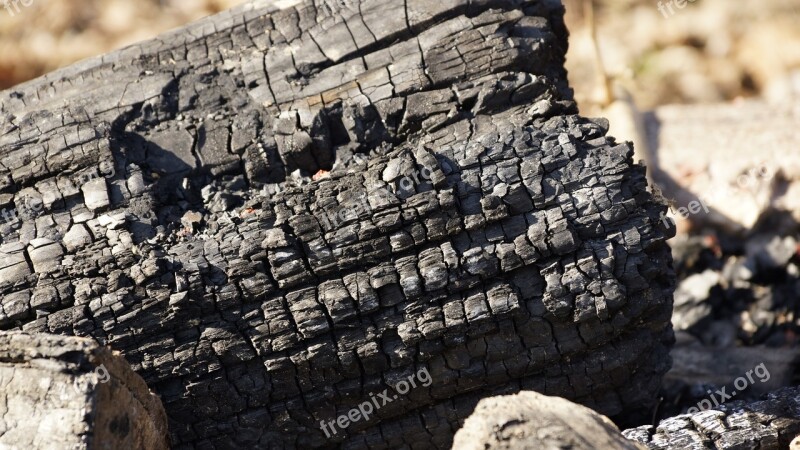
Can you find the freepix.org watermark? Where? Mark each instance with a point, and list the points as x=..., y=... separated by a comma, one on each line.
x=351, y=210
x=375, y=402
x=694, y=207
x=78, y=383
x=102, y=377
x=721, y=395
x=13, y=6
x=748, y=182
x=665, y=7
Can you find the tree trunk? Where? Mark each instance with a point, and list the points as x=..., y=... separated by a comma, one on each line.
x=462, y=222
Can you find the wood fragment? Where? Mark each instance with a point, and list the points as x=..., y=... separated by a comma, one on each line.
x=70, y=393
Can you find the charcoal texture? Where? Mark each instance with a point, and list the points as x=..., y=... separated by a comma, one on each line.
x=529, y=420
x=275, y=213
x=768, y=424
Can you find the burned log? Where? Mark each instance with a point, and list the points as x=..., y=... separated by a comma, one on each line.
x=768, y=424
x=279, y=215
x=529, y=420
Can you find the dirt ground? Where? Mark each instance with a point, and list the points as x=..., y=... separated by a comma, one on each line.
x=708, y=51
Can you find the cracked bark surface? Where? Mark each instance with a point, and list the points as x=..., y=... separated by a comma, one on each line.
x=166, y=209
x=769, y=424
x=70, y=393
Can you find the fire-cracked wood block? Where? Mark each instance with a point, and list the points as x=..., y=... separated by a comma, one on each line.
x=277, y=214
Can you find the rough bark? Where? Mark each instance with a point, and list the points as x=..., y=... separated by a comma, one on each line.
x=69, y=393
x=194, y=242
x=533, y=421
x=769, y=424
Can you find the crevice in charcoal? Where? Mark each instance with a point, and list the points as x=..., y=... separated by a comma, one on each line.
x=408, y=33
x=363, y=22
x=411, y=128
x=265, y=70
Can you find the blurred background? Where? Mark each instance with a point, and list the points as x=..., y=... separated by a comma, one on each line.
x=708, y=91
x=707, y=51
x=50, y=34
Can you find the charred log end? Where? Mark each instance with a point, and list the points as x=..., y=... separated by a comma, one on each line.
x=532, y=420
x=63, y=392
x=771, y=423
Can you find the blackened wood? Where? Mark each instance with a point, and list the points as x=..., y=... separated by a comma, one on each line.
x=166, y=208
x=768, y=424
